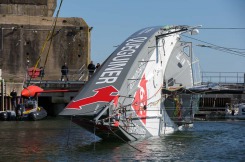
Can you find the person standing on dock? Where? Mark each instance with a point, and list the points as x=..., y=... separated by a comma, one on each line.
x=41, y=72
x=64, y=72
x=13, y=96
x=91, y=69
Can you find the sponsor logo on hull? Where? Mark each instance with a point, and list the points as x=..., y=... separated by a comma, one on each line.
x=140, y=101
x=106, y=83
x=104, y=94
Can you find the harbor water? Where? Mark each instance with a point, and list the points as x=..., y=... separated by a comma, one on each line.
x=57, y=139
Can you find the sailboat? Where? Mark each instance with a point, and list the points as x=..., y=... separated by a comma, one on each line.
x=126, y=97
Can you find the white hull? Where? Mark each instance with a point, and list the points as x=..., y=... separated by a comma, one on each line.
x=133, y=77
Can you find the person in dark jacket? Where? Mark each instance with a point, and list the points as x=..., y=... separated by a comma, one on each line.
x=91, y=69
x=41, y=72
x=13, y=96
x=64, y=72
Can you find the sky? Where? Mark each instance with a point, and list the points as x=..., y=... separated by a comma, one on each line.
x=113, y=21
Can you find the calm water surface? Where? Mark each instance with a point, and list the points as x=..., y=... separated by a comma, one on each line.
x=56, y=139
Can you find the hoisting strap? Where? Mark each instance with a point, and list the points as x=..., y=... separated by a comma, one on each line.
x=52, y=34
x=49, y=37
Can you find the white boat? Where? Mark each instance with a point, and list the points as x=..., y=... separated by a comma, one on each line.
x=125, y=99
x=235, y=111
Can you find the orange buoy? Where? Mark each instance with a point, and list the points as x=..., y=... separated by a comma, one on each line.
x=31, y=91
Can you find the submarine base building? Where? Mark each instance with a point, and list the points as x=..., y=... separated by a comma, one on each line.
x=24, y=42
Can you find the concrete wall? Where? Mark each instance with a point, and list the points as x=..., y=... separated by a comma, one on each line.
x=22, y=39
x=28, y=7
x=24, y=29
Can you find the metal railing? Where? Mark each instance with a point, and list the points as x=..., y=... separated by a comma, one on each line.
x=223, y=77
x=73, y=75
x=81, y=72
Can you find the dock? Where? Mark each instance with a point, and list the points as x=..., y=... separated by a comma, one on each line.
x=212, y=103
x=55, y=102
x=226, y=88
x=33, y=38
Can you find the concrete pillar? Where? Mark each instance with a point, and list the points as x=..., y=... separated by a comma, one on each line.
x=28, y=7
x=2, y=95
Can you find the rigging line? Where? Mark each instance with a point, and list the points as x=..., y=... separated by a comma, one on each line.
x=209, y=43
x=232, y=50
x=242, y=55
x=237, y=49
x=228, y=50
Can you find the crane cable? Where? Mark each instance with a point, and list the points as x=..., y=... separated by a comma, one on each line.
x=233, y=51
x=48, y=38
x=52, y=33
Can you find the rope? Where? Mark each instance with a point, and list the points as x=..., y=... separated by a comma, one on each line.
x=49, y=37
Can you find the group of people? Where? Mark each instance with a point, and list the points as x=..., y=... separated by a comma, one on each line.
x=91, y=69
x=64, y=70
